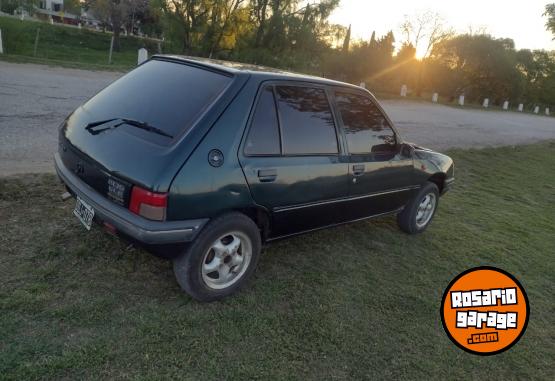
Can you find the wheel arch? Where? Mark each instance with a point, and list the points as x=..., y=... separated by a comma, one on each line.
x=261, y=217
x=438, y=179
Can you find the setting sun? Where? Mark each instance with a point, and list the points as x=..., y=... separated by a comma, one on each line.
x=421, y=51
x=497, y=18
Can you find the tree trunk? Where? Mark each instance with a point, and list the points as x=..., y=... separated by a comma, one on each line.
x=261, y=25
x=117, y=19
x=229, y=13
x=419, y=79
x=116, y=38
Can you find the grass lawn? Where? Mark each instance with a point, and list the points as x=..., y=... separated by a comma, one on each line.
x=358, y=301
x=66, y=46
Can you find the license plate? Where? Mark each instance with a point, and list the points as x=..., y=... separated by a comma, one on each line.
x=84, y=212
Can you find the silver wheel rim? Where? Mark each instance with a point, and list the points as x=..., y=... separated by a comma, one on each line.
x=425, y=210
x=226, y=261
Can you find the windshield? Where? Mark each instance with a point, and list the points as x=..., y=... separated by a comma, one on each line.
x=164, y=94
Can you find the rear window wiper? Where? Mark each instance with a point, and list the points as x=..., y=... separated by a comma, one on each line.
x=121, y=121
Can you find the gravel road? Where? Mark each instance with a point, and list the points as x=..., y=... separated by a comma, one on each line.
x=34, y=99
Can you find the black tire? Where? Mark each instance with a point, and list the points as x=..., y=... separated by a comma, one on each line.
x=407, y=219
x=188, y=266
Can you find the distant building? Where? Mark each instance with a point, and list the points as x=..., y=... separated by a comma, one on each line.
x=54, y=10
x=51, y=5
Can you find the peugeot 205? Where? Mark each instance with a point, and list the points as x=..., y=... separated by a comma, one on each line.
x=205, y=161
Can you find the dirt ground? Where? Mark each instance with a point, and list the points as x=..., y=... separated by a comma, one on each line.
x=34, y=100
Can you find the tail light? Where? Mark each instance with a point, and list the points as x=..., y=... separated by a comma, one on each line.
x=148, y=204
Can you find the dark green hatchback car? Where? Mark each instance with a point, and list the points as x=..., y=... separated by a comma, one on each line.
x=205, y=161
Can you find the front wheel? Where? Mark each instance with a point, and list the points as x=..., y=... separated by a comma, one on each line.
x=221, y=259
x=419, y=212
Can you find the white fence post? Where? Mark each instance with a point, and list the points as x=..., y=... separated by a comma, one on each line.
x=1, y=46
x=404, y=90
x=506, y=105
x=435, y=97
x=111, y=50
x=461, y=100
x=486, y=103
x=142, y=56
x=36, y=42
x=536, y=109
x=547, y=111
x=520, y=107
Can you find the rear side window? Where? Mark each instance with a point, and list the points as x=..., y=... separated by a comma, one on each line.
x=263, y=138
x=306, y=121
x=366, y=128
x=167, y=95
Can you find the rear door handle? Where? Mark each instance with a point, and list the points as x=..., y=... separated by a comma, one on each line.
x=267, y=175
x=358, y=169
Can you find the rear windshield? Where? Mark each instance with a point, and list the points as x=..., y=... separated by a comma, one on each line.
x=167, y=95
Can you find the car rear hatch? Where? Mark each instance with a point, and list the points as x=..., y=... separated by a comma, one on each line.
x=140, y=129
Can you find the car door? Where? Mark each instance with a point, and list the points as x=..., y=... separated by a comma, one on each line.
x=292, y=159
x=382, y=176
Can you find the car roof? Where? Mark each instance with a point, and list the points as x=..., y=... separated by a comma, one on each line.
x=266, y=73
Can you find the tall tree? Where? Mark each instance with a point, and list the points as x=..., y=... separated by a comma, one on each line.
x=424, y=30
x=538, y=69
x=347, y=40
x=260, y=12
x=550, y=13
x=186, y=22
x=478, y=65
x=115, y=13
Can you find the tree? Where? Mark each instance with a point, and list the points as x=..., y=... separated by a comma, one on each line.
x=347, y=40
x=362, y=60
x=479, y=66
x=538, y=69
x=550, y=13
x=424, y=30
x=113, y=13
x=260, y=13
x=221, y=16
x=72, y=6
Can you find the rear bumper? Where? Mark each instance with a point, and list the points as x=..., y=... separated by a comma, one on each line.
x=136, y=227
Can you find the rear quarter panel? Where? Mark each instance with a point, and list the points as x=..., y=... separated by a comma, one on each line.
x=200, y=190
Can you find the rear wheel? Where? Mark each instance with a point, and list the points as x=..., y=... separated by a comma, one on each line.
x=221, y=259
x=419, y=212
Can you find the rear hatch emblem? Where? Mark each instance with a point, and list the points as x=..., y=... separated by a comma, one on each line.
x=117, y=191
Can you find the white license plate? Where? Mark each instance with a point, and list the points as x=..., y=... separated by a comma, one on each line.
x=84, y=212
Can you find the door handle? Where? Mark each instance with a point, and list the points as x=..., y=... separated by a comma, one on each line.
x=267, y=175
x=358, y=169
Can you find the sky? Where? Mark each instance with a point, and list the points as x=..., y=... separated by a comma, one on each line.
x=520, y=20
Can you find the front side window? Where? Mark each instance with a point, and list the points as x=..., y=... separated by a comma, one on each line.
x=263, y=138
x=306, y=121
x=366, y=128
